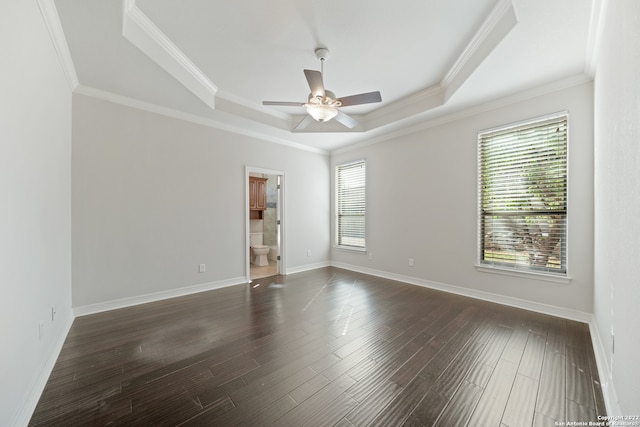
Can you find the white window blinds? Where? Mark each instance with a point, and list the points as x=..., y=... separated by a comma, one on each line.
x=523, y=196
x=351, y=205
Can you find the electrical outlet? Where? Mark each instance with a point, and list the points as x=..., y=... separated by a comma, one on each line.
x=411, y=262
x=308, y=252
x=203, y=268
x=370, y=255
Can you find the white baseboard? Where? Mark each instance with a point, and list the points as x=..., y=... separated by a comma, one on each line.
x=156, y=296
x=308, y=267
x=604, y=371
x=551, y=310
x=25, y=412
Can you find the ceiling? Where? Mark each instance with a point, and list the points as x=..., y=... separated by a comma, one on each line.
x=214, y=62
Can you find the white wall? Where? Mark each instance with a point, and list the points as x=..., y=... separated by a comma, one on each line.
x=154, y=197
x=617, y=200
x=35, y=208
x=422, y=204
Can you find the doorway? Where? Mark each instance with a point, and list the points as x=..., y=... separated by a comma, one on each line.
x=264, y=222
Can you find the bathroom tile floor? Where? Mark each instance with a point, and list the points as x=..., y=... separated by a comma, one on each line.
x=258, y=272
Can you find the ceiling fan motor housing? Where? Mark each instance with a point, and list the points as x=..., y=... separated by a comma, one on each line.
x=329, y=98
x=322, y=53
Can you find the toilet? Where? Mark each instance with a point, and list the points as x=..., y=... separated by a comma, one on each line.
x=259, y=251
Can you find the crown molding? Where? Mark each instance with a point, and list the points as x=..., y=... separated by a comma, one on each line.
x=495, y=28
x=142, y=33
x=54, y=26
x=231, y=98
x=468, y=111
x=500, y=21
x=192, y=118
x=424, y=100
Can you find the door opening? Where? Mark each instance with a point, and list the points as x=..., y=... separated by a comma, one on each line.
x=264, y=223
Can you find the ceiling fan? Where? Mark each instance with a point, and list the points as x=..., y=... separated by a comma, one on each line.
x=322, y=104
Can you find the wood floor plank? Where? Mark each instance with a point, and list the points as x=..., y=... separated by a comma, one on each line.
x=495, y=346
x=256, y=397
x=446, y=373
x=375, y=391
x=532, y=357
x=376, y=400
x=552, y=385
x=322, y=347
x=377, y=374
x=460, y=407
x=344, y=365
x=453, y=376
x=400, y=408
x=318, y=402
x=429, y=409
x=279, y=383
x=579, y=412
x=331, y=414
x=595, y=382
x=309, y=388
x=479, y=374
x=214, y=410
x=557, y=334
x=540, y=420
x=521, y=404
x=579, y=378
x=268, y=414
x=491, y=406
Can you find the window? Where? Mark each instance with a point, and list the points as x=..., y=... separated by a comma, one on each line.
x=351, y=205
x=523, y=196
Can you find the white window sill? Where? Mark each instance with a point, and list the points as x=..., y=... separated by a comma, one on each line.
x=548, y=277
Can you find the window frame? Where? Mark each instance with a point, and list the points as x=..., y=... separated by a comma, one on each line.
x=528, y=271
x=338, y=237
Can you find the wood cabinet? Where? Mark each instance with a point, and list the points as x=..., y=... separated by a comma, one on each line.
x=257, y=196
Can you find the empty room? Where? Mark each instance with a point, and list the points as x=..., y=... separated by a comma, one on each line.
x=320, y=212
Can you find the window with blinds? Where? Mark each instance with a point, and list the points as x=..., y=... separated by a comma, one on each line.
x=351, y=205
x=523, y=195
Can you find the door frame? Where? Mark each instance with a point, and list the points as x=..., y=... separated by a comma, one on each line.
x=281, y=264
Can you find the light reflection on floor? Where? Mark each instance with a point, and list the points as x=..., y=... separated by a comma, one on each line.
x=349, y=296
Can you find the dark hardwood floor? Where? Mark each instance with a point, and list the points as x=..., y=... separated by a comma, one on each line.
x=325, y=347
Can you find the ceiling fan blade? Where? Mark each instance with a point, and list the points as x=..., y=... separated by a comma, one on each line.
x=363, y=98
x=304, y=122
x=290, y=104
x=314, y=78
x=346, y=120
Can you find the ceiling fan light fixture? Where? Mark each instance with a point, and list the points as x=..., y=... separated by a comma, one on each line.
x=323, y=108
x=322, y=112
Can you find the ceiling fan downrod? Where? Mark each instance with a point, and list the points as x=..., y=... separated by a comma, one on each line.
x=322, y=54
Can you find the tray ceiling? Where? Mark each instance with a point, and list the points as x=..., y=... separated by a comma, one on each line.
x=214, y=62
